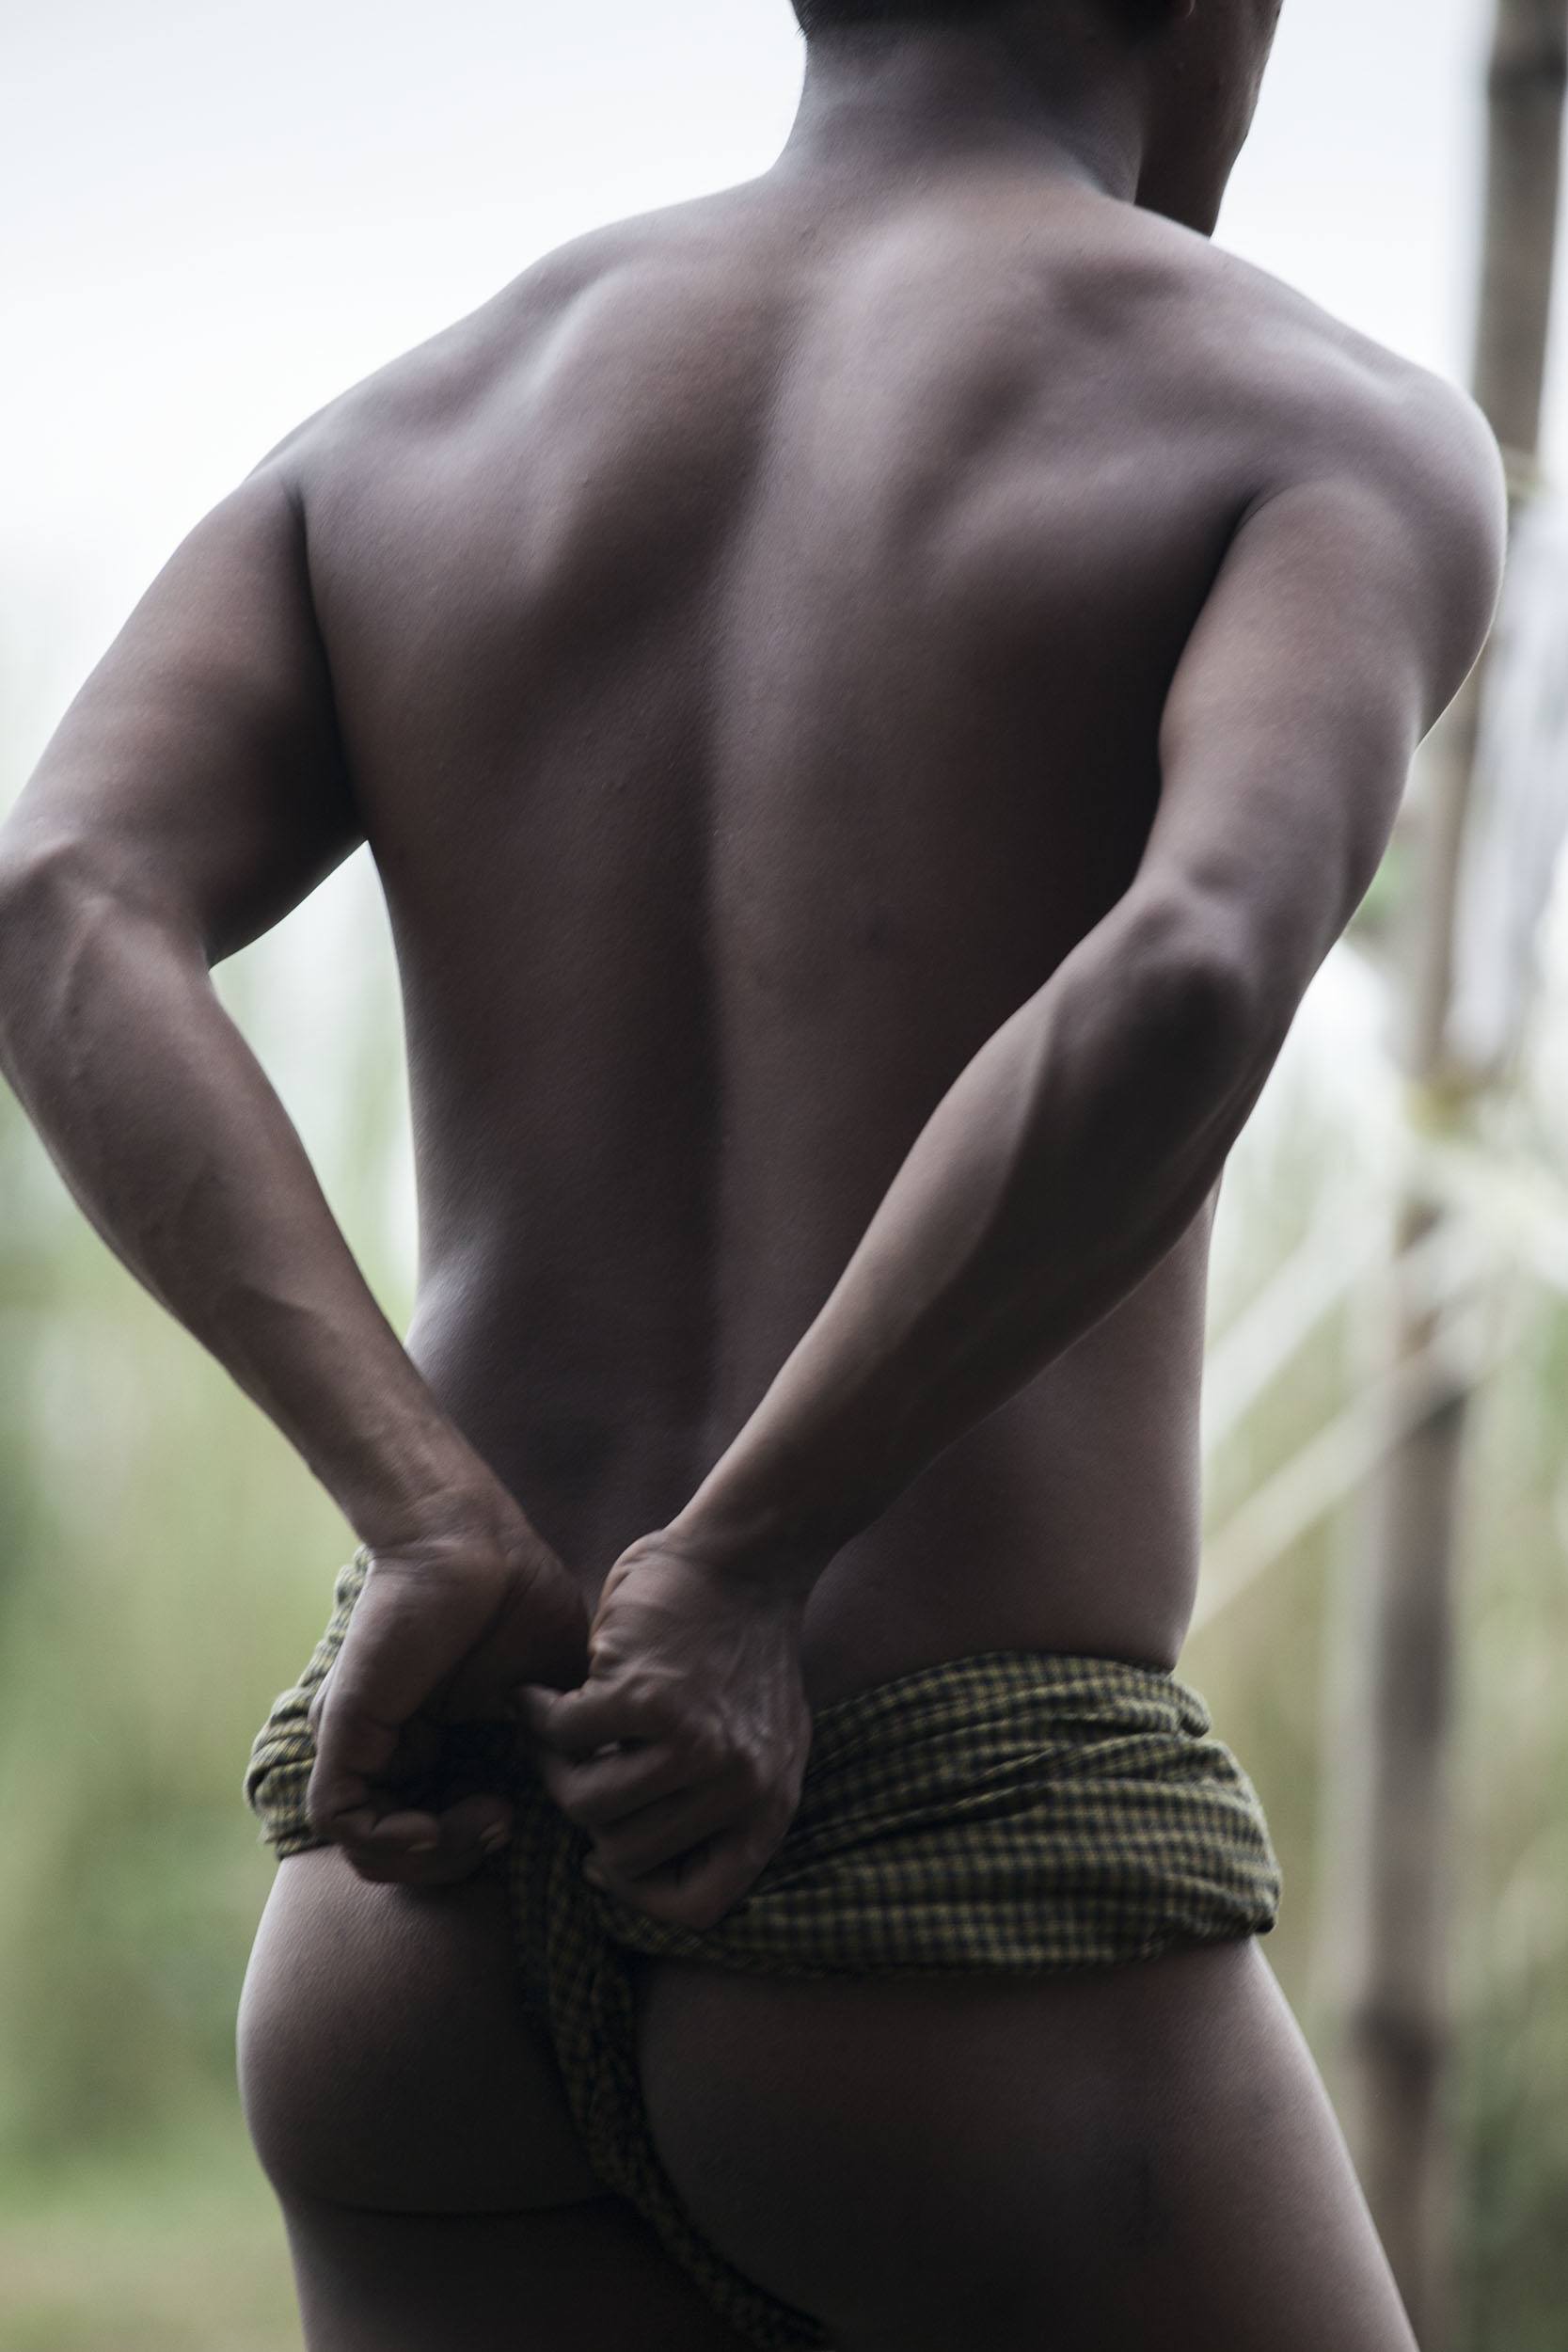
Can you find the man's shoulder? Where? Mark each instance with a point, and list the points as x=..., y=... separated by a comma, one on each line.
x=436, y=385
x=1407, y=446
x=1368, y=449
x=1363, y=444
x=1339, y=404
x=1220, y=345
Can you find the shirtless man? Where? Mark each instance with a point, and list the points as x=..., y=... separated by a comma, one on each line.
x=870, y=695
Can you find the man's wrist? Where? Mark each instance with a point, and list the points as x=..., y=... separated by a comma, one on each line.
x=755, y=1543
x=452, y=1500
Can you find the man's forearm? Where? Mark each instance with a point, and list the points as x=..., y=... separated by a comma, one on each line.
x=1063, y=1162
x=173, y=1142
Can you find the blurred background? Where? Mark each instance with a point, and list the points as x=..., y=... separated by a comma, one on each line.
x=216, y=216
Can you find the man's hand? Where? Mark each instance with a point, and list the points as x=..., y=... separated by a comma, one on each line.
x=683, y=1753
x=443, y=1632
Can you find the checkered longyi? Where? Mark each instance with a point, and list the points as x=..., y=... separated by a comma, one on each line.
x=1015, y=1810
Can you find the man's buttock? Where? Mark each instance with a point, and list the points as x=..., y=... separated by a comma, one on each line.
x=1008, y=1811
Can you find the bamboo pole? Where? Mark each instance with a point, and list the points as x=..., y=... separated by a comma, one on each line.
x=1396, y=2001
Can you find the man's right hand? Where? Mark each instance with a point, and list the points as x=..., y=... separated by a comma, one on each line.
x=444, y=1630
x=683, y=1753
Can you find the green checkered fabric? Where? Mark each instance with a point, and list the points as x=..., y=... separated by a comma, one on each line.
x=1016, y=1811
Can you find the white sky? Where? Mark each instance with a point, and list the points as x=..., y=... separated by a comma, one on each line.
x=216, y=214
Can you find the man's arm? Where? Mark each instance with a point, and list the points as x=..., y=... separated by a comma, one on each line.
x=194, y=793
x=1077, y=1146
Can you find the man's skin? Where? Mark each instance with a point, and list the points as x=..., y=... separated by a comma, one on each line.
x=870, y=695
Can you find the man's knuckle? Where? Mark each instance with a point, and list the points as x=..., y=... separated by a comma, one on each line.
x=639, y=1694
x=704, y=1747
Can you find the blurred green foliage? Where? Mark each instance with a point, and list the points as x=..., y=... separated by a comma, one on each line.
x=167, y=1566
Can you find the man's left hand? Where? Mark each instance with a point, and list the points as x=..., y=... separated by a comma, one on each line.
x=442, y=1632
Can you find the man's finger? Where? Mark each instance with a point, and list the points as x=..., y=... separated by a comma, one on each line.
x=353, y=1795
x=578, y=1724
x=407, y=1633
x=667, y=1831
x=353, y=1753
x=607, y=1789
x=382, y=1829
x=408, y=1849
x=697, y=1891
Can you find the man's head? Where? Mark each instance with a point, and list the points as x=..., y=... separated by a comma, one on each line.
x=818, y=16
x=1190, y=69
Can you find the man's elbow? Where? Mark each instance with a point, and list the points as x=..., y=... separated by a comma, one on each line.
x=47, y=871
x=59, y=889
x=39, y=880
x=42, y=875
x=1221, y=1002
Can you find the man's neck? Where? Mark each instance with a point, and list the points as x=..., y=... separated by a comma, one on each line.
x=891, y=105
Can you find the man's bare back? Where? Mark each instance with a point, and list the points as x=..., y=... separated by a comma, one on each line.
x=751, y=634
x=869, y=696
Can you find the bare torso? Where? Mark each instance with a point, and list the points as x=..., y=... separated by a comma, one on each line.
x=750, y=634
